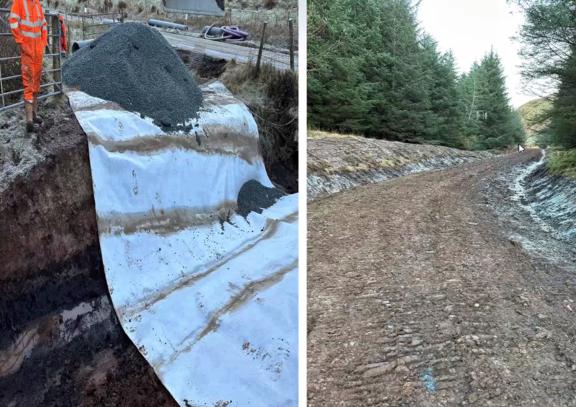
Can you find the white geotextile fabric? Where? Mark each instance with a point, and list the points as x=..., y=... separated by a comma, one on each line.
x=208, y=297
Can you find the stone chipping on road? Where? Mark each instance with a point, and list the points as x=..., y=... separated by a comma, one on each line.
x=419, y=297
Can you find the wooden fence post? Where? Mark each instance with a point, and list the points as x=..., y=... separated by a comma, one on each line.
x=2, y=87
x=291, y=45
x=228, y=16
x=69, y=40
x=259, y=60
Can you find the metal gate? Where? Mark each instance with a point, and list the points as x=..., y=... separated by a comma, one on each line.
x=10, y=70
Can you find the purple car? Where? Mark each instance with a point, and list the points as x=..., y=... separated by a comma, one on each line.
x=226, y=32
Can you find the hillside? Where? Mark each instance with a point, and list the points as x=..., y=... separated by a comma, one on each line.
x=534, y=116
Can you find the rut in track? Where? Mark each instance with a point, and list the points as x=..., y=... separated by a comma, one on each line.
x=417, y=298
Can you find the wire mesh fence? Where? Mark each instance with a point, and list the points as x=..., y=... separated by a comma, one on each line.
x=259, y=49
x=250, y=21
x=86, y=26
x=82, y=26
x=11, y=88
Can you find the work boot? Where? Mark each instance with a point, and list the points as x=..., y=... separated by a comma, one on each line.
x=31, y=127
x=36, y=118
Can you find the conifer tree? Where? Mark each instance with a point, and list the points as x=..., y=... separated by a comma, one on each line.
x=372, y=71
x=549, y=48
x=490, y=121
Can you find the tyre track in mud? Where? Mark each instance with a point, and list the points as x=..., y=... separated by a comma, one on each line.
x=417, y=297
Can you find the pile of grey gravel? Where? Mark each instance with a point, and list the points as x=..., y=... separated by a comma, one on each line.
x=134, y=66
x=255, y=197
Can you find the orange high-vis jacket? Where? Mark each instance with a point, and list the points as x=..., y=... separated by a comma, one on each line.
x=27, y=22
x=30, y=30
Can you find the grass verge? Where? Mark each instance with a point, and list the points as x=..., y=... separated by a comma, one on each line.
x=272, y=97
x=563, y=162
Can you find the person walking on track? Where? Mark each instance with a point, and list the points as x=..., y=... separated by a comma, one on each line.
x=30, y=31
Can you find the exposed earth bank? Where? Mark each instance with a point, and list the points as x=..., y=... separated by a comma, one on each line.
x=337, y=162
x=441, y=288
x=60, y=341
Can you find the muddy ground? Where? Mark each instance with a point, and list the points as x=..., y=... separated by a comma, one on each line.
x=60, y=341
x=438, y=289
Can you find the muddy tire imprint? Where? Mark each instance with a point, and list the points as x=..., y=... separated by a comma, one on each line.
x=419, y=296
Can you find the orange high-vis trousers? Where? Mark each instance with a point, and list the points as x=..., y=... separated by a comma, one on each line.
x=29, y=29
x=32, y=54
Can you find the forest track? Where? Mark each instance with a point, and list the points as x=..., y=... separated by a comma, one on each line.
x=419, y=296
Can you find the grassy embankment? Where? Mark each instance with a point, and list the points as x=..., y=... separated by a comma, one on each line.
x=563, y=162
x=535, y=116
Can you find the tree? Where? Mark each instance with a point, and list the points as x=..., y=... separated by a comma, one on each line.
x=548, y=36
x=549, y=45
x=372, y=71
x=490, y=121
x=448, y=120
x=563, y=114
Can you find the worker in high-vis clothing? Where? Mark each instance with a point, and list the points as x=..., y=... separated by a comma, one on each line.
x=30, y=31
x=63, y=36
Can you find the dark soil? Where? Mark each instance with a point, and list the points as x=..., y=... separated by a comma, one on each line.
x=418, y=296
x=255, y=197
x=134, y=66
x=205, y=68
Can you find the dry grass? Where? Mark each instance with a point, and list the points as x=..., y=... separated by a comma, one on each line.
x=319, y=134
x=272, y=97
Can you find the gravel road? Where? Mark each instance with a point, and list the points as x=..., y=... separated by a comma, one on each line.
x=439, y=289
x=227, y=51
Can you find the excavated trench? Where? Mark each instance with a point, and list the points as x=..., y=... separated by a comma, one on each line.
x=540, y=214
x=60, y=340
x=552, y=198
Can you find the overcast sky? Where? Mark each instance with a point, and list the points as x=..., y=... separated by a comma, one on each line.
x=470, y=28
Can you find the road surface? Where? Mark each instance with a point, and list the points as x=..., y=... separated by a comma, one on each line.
x=227, y=51
x=218, y=49
x=418, y=296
